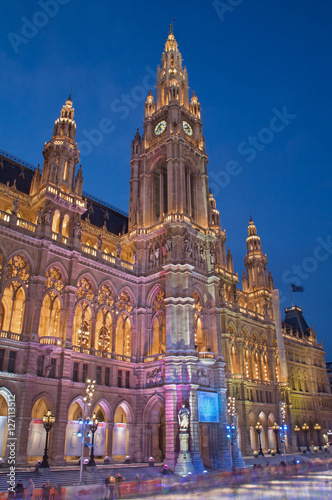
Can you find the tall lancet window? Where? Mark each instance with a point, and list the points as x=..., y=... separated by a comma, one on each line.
x=14, y=295
x=161, y=201
x=157, y=342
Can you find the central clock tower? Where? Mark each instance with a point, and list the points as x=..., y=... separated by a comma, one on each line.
x=168, y=165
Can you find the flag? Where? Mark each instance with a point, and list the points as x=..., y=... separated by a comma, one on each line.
x=296, y=288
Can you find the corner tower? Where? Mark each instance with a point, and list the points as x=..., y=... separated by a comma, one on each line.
x=61, y=153
x=257, y=283
x=168, y=164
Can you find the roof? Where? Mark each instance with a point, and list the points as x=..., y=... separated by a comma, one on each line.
x=294, y=318
x=19, y=171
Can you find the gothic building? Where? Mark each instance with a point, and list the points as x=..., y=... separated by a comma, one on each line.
x=148, y=305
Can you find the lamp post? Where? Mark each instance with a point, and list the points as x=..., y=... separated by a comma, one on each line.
x=258, y=428
x=87, y=401
x=297, y=432
x=317, y=428
x=275, y=428
x=305, y=428
x=48, y=421
x=93, y=429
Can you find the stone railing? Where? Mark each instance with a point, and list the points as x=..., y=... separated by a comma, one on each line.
x=10, y=335
x=50, y=341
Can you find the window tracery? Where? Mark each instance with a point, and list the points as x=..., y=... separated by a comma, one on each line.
x=124, y=302
x=18, y=267
x=105, y=296
x=54, y=280
x=84, y=290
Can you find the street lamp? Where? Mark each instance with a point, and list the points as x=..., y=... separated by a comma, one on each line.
x=297, y=432
x=93, y=428
x=317, y=428
x=87, y=400
x=305, y=428
x=275, y=428
x=258, y=428
x=48, y=421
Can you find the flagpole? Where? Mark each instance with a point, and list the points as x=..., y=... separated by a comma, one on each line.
x=290, y=290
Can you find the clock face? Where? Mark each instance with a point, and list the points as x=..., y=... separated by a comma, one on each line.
x=187, y=128
x=160, y=127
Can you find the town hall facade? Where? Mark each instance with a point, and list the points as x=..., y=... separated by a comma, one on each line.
x=148, y=305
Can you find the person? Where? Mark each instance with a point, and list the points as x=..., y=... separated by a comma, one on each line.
x=111, y=488
x=107, y=489
x=138, y=483
x=37, y=466
x=118, y=481
x=19, y=490
x=30, y=488
x=46, y=490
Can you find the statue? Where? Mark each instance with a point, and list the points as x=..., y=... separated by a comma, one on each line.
x=99, y=242
x=212, y=257
x=39, y=215
x=15, y=207
x=183, y=418
x=78, y=230
x=118, y=250
x=48, y=218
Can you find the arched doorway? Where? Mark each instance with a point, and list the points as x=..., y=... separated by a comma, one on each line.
x=6, y=398
x=73, y=443
x=120, y=432
x=154, y=429
x=253, y=434
x=272, y=441
x=100, y=439
x=37, y=433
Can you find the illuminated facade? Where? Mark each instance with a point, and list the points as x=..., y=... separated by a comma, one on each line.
x=147, y=305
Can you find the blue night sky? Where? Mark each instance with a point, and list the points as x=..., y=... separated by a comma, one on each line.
x=248, y=65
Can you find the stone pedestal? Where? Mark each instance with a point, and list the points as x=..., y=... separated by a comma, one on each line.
x=184, y=462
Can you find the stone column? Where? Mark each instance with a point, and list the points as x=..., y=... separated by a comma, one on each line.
x=171, y=424
x=70, y=311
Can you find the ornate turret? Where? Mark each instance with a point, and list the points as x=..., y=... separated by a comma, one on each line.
x=61, y=153
x=255, y=261
x=172, y=78
x=257, y=279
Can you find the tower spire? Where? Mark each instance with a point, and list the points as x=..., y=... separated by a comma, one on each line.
x=61, y=154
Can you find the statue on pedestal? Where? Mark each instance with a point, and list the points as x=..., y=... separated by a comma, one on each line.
x=183, y=418
x=184, y=462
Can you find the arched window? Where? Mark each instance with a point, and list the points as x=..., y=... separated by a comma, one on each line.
x=49, y=322
x=104, y=330
x=158, y=341
x=264, y=366
x=56, y=222
x=82, y=325
x=123, y=341
x=13, y=300
x=13, y=304
x=65, y=226
x=161, y=197
x=198, y=324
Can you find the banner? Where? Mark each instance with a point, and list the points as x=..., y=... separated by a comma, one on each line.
x=37, y=438
x=120, y=439
x=208, y=410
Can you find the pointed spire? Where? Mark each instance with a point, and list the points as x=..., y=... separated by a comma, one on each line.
x=79, y=182
x=230, y=265
x=69, y=97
